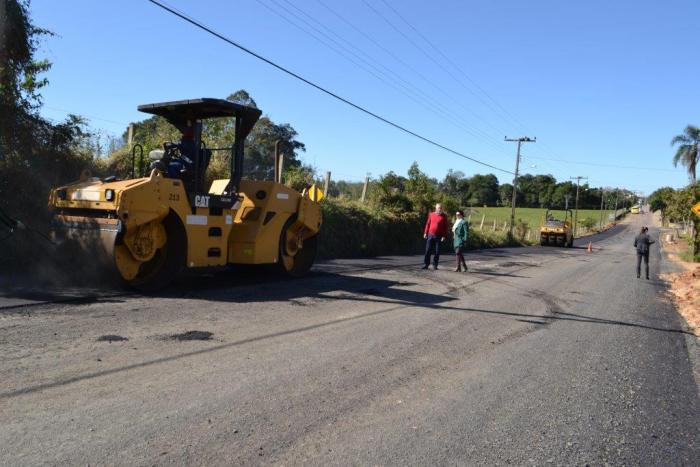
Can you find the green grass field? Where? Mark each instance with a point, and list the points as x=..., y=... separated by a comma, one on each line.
x=533, y=216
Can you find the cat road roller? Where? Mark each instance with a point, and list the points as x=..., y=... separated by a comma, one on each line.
x=152, y=228
x=557, y=232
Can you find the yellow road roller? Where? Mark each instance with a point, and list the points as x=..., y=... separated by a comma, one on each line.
x=152, y=228
x=557, y=232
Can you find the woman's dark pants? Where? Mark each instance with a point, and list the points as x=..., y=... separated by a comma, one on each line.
x=460, y=258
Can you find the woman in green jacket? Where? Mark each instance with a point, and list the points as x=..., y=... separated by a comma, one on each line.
x=460, y=229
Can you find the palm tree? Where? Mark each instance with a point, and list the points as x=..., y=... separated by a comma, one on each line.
x=687, y=153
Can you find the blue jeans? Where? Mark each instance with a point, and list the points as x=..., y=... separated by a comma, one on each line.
x=432, y=244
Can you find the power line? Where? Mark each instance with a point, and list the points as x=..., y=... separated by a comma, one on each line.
x=431, y=101
x=408, y=66
x=503, y=110
x=612, y=166
x=207, y=29
x=430, y=57
x=83, y=115
x=457, y=67
x=397, y=82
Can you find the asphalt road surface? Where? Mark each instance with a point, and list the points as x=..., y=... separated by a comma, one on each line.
x=536, y=356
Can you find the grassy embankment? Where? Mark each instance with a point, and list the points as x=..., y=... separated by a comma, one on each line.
x=352, y=230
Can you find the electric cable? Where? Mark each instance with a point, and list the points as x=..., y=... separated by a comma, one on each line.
x=423, y=100
x=318, y=87
x=429, y=101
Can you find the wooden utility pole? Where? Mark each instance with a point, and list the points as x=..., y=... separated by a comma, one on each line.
x=130, y=136
x=578, y=182
x=520, y=141
x=326, y=182
x=279, y=161
x=364, y=190
x=602, y=196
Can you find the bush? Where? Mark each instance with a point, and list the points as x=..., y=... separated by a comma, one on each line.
x=351, y=230
x=588, y=223
x=521, y=228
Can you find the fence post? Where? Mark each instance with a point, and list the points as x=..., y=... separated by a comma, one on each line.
x=481, y=227
x=505, y=224
x=326, y=182
x=364, y=190
x=494, y=225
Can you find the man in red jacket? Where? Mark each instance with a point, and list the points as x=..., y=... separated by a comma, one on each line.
x=435, y=233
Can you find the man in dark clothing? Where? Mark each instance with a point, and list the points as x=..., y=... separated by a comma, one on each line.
x=434, y=233
x=642, y=242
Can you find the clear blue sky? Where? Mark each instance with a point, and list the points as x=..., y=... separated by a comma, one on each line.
x=597, y=82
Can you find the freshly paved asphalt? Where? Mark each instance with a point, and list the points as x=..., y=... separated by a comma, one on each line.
x=536, y=356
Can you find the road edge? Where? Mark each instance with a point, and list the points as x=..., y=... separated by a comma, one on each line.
x=692, y=342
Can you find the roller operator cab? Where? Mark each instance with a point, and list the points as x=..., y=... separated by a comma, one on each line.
x=557, y=231
x=152, y=228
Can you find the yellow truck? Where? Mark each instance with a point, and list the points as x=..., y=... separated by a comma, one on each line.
x=150, y=229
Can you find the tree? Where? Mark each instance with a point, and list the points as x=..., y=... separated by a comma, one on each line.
x=299, y=177
x=483, y=189
x=20, y=71
x=390, y=193
x=544, y=185
x=678, y=210
x=420, y=189
x=562, y=192
x=660, y=199
x=258, y=163
x=505, y=194
x=34, y=154
x=687, y=153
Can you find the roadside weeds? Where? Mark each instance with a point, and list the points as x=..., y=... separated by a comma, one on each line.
x=684, y=287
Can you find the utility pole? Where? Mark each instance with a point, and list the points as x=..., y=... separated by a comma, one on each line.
x=602, y=197
x=364, y=190
x=520, y=141
x=578, y=182
x=130, y=136
x=326, y=183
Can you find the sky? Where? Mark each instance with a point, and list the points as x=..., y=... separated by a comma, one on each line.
x=602, y=85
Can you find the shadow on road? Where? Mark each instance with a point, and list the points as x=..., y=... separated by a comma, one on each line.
x=364, y=290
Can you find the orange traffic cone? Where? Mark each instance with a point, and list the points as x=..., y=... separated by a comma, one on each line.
x=590, y=247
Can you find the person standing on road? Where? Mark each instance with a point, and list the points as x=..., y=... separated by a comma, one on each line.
x=460, y=229
x=642, y=242
x=434, y=233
